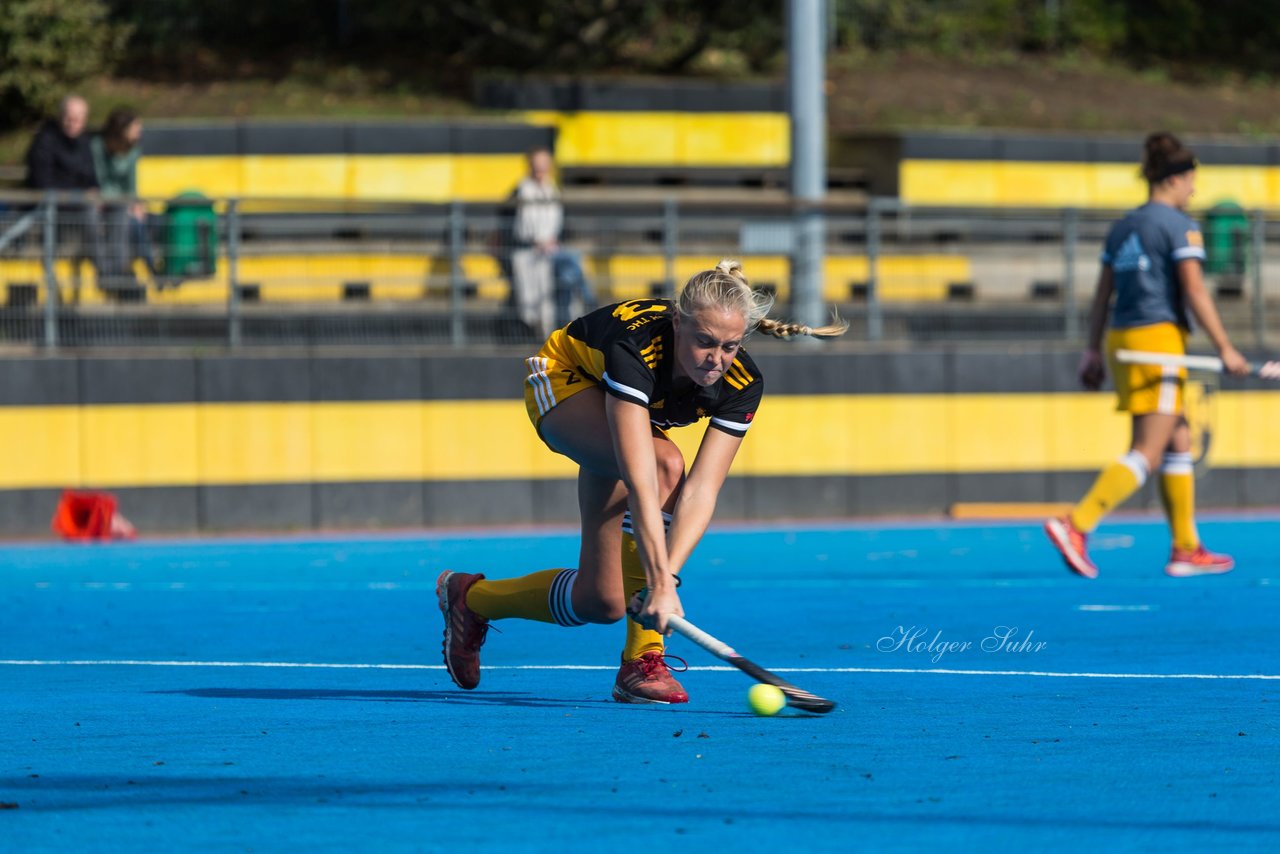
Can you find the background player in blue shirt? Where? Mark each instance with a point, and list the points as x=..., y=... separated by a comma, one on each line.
x=1151, y=266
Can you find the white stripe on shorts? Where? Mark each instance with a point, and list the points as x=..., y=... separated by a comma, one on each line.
x=1168, y=390
x=541, y=383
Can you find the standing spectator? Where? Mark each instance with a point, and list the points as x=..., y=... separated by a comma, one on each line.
x=60, y=159
x=545, y=277
x=115, y=160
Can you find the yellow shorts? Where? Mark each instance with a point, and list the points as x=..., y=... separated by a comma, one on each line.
x=551, y=380
x=1147, y=389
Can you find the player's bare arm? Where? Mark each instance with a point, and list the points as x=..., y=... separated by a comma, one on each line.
x=697, y=500
x=1206, y=313
x=637, y=466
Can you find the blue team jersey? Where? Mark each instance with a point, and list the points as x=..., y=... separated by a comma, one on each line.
x=1143, y=250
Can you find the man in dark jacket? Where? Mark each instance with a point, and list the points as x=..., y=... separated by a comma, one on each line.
x=60, y=158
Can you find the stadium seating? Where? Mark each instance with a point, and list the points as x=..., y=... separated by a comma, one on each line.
x=1047, y=171
x=294, y=277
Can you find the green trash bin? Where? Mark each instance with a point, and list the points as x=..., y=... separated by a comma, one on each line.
x=1226, y=238
x=191, y=236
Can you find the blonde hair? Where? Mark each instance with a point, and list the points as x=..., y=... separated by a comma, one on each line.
x=726, y=287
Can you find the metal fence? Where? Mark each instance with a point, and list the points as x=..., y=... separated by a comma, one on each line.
x=238, y=273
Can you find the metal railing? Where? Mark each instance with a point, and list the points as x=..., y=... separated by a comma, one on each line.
x=75, y=272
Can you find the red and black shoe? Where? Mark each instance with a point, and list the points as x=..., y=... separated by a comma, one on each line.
x=647, y=679
x=464, y=630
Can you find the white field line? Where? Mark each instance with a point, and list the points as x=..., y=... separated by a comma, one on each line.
x=1107, y=608
x=314, y=665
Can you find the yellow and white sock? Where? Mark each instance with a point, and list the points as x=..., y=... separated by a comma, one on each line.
x=545, y=596
x=1178, y=492
x=1114, y=485
x=560, y=599
x=639, y=639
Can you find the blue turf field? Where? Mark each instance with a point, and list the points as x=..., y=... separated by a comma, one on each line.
x=287, y=695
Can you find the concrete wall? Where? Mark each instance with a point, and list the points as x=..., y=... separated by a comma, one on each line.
x=306, y=441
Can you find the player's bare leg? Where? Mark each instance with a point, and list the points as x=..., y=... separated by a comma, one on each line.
x=609, y=569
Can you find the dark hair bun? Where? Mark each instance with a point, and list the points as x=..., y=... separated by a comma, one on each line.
x=1163, y=155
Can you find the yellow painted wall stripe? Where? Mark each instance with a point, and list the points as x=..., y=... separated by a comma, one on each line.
x=903, y=278
x=584, y=139
x=999, y=183
x=319, y=278
x=668, y=138
x=390, y=177
x=687, y=140
x=257, y=443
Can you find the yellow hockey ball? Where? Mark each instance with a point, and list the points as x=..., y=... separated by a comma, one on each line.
x=766, y=700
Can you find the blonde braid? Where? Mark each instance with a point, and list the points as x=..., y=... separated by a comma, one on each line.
x=726, y=287
x=784, y=330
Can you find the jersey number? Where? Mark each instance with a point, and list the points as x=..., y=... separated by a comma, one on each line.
x=629, y=310
x=570, y=377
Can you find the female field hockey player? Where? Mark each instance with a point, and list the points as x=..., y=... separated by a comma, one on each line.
x=603, y=391
x=1151, y=266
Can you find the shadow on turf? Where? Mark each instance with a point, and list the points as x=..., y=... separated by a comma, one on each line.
x=470, y=698
x=476, y=698
x=455, y=797
x=84, y=792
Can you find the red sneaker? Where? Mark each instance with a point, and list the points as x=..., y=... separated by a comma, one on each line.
x=1070, y=543
x=464, y=630
x=648, y=680
x=1198, y=561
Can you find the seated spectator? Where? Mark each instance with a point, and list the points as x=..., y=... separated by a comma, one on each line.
x=546, y=278
x=59, y=159
x=115, y=161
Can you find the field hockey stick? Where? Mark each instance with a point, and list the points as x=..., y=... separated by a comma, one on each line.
x=796, y=697
x=1266, y=370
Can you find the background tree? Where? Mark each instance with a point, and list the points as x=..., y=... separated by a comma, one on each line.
x=48, y=47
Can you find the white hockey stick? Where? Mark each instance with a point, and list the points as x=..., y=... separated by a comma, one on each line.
x=1266, y=370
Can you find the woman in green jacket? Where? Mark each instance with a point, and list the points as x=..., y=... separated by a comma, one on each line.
x=116, y=151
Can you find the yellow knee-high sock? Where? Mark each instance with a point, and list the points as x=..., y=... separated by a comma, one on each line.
x=1115, y=484
x=639, y=639
x=1178, y=491
x=542, y=596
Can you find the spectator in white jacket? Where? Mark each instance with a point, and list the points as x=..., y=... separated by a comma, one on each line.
x=546, y=277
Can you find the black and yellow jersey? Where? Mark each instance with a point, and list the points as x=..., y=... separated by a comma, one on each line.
x=628, y=349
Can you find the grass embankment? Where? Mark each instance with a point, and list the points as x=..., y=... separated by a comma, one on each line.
x=867, y=92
